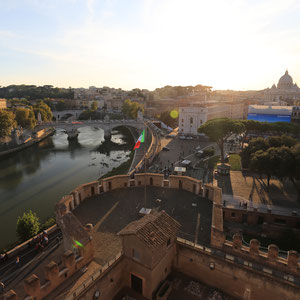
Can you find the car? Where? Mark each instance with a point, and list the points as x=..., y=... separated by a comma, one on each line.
x=166, y=149
x=189, y=138
x=182, y=137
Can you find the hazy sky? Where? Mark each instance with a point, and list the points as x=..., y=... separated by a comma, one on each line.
x=234, y=44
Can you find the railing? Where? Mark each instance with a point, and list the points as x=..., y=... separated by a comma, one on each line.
x=96, y=275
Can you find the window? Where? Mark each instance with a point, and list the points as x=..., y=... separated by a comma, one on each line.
x=182, y=120
x=233, y=214
x=135, y=254
x=191, y=120
x=200, y=121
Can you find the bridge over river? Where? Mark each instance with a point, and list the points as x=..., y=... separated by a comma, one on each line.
x=71, y=127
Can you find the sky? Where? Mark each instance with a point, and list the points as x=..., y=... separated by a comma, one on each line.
x=227, y=44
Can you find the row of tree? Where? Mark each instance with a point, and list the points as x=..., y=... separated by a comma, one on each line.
x=33, y=92
x=24, y=117
x=177, y=91
x=277, y=156
x=218, y=130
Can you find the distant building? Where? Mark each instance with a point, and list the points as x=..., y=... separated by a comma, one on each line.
x=193, y=116
x=295, y=118
x=285, y=90
x=265, y=113
x=3, y=104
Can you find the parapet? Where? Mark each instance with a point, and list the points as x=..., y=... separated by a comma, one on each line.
x=84, y=191
x=53, y=277
x=271, y=257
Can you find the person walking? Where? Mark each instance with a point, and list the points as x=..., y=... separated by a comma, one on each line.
x=18, y=262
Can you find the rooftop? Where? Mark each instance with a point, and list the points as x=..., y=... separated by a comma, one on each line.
x=112, y=211
x=153, y=229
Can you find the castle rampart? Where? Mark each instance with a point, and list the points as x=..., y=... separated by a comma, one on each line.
x=241, y=271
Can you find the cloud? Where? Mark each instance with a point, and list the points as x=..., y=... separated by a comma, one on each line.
x=7, y=34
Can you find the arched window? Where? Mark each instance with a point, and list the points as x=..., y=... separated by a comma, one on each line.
x=191, y=120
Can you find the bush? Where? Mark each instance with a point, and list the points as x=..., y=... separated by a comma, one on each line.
x=208, y=152
x=48, y=223
x=28, y=225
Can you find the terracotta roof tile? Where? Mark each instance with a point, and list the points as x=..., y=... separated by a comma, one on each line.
x=153, y=229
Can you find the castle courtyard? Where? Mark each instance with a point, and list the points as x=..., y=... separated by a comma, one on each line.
x=112, y=211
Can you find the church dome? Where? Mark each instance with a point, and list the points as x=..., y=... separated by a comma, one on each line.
x=285, y=82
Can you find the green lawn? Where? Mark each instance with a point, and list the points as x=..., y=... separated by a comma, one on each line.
x=234, y=161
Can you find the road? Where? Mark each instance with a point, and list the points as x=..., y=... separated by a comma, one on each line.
x=11, y=275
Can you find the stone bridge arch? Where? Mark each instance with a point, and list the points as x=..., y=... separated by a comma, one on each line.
x=106, y=126
x=66, y=115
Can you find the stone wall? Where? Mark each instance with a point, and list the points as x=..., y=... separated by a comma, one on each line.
x=114, y=182
x=84, y=191
x=53, y=275
x=237, y=280
x=186, y=183
x=109, y=282
x=255, y=217
x=289, y=264
x=151, y=179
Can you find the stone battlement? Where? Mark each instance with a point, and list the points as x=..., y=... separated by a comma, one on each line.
x=192, y=259
x=85, y=191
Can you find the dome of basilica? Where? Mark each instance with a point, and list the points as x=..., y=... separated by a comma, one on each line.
x=285, y=81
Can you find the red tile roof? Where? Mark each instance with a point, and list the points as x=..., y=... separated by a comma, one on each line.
x=153, y=229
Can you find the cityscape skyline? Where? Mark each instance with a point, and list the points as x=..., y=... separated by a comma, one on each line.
x=239, y=45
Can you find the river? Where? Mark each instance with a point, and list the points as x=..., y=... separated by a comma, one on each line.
x=37, y=177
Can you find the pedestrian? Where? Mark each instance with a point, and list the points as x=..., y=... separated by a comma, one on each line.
x=2, y=286
x=17, y=262
x=45, y=242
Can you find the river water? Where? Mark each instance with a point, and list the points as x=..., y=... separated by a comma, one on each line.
x=37, y=177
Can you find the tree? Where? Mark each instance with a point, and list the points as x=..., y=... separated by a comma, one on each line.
x=44, y=110
x=25, y=118
x=280, y=162
x=218, y=130
x=94, y=106
x=130, y=108
x=7, y=122
x=295, y=171
x=60, y=106
x=264, y=144
x=261, y=163
x=250, y=125
x=168, y=119
x=28, y=225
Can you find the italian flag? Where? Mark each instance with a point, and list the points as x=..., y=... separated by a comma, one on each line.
x=140, y=140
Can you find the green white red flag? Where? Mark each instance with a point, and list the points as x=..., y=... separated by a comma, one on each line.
x=140, y=140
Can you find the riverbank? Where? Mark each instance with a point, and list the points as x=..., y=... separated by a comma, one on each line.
x=130, y=141
x=38, y=176
x=33, y=141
